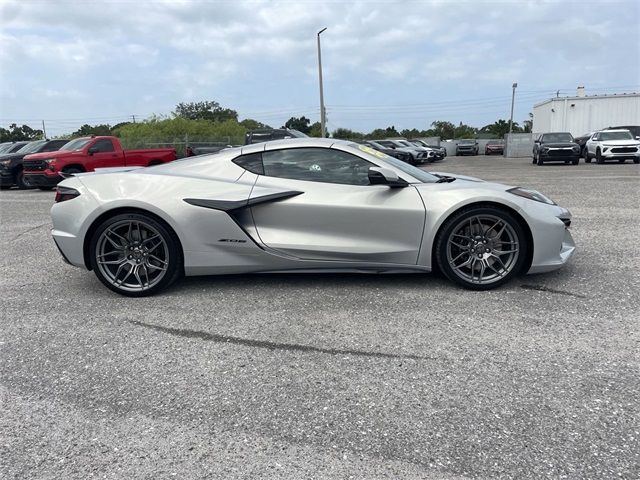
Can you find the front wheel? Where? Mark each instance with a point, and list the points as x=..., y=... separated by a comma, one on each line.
x=481, y=248
x=135, y=254
x=599, y=158
x=22, y=182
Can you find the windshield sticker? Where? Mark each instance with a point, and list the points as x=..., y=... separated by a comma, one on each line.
x=372, y=151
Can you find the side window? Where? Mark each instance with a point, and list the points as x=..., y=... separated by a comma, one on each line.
x=251, y=162
x=104, y=145
x=596, y=137
x=317, y=165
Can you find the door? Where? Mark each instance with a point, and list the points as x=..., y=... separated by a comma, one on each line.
x=105, y=155
x=338, y=216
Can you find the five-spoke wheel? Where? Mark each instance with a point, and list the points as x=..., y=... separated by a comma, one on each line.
x=481, y=248
x=135, y=254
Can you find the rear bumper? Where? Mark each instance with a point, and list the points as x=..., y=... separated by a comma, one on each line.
x=42, y=180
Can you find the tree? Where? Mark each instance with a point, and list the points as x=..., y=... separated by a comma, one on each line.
x=206, y=110
x=499, y=128
x=444, y=130
x=465, y=131
x=527, y=125
x=413, y=133
x=251, y=124
x=346, y=134
x=301, y=124
x=87, y=130
x=15, y=133
x=315, y=130
x=383, y=133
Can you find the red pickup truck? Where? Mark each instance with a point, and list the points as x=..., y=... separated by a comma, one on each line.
x=85, y=154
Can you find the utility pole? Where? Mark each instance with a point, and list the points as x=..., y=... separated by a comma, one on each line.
x=44, y=131
x=323, y=129
x=134, y=118
x=513, y=97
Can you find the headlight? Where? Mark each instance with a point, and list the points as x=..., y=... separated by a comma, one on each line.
x=5, y=163
x=531, y=195
x=49, y=161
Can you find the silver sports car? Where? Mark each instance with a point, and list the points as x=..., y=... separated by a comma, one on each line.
x=302, y=205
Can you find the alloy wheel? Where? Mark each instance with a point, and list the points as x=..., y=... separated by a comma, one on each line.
x=132, y=255
x=482, y=249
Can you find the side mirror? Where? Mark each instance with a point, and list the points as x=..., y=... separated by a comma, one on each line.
x=92, y=150
x=637, y=137
x=385, y=176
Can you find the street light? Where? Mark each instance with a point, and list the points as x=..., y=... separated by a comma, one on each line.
x=513, y=97
x=322, y=111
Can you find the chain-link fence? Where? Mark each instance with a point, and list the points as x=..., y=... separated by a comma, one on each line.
x=181, y=143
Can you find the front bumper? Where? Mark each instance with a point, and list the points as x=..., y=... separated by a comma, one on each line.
x=553, y=242
x=559, y=155
x=7, y=179
x=42, y=179
x=612, y=154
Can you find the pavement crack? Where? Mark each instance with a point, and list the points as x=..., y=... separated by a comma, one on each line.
x=29, y=230
x=542, y=288
x=292, y=347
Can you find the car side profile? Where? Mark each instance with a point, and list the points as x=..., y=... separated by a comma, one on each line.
x=618, y=145
x=555, y=147
x=302, y=205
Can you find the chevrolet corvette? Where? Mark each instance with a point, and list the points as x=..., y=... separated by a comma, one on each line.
x=302, y=205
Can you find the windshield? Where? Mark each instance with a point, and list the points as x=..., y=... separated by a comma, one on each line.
x=466, y=142
x=557, y=138
x=5, y=146
x=75, y=145
x=32, y=147
x=494, y=142
x=616, y=136
x=420, y=175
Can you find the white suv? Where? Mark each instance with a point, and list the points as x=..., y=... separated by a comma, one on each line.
x=612, y=145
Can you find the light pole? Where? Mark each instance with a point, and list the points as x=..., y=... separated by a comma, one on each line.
x=322, y=111
x=513, y=97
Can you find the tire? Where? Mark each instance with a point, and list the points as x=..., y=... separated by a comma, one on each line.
x=135, y=254
x=535, y=159
x=599, y=158
x=72, y=170
x=636, y=160
x=540, y=161
x=5, y=187
x=587, y=157
x=21, y=182
x=575, y=161
x=468, y=242
x=46, y=189
x=622, y=160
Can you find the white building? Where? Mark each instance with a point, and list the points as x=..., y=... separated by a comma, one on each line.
x=586, y=113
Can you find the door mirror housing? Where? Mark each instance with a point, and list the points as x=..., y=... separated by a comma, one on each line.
x=92, y=150
x=385, y=176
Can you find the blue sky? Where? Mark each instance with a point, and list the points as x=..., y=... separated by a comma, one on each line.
x=401, y=63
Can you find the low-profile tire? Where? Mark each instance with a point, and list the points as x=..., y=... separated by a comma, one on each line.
x=135, y=254
x=481, y=248
x=21, y=182
x=599, y=158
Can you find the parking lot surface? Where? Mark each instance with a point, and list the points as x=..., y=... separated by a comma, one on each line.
x=330, y=376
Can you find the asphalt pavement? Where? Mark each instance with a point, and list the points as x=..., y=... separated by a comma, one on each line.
x=330, y=376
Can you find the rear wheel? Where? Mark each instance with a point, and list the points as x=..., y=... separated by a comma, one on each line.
x=481, y=248
x=135, y=254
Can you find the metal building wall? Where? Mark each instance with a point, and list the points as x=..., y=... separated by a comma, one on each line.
x=580, y=115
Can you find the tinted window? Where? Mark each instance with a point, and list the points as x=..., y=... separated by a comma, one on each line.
x=16, y=147
x=557, y=138
x=317, y=165
x=54, y=145
x=103, y=145
x=32, y=147
x=251, y=162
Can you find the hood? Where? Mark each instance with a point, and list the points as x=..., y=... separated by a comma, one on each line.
x=11, y=156
x=628, y=142
x=56, y=154
x=459, y=177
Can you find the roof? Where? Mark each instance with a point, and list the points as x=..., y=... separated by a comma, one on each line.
x=588, y=97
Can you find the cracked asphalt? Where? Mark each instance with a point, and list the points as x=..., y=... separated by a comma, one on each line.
x=330, y=376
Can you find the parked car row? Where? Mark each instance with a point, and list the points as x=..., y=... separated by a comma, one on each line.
x=414, y=152
x=610, y=144
x=44, y=163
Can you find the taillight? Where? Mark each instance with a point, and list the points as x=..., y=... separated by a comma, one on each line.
x=65, y=193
